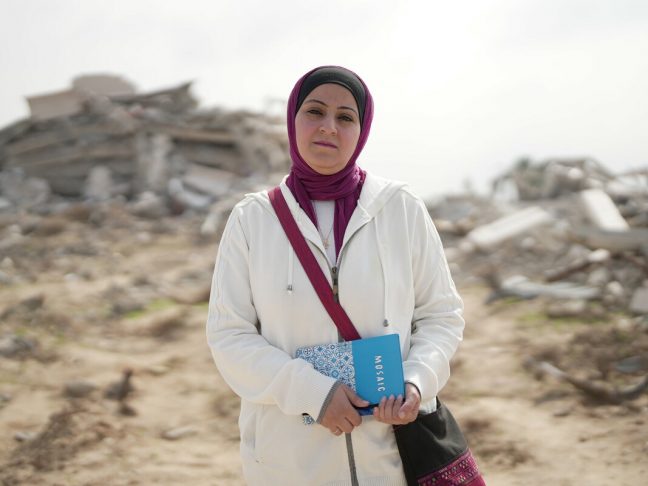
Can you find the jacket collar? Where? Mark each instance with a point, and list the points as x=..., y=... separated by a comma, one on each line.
x=376, y=191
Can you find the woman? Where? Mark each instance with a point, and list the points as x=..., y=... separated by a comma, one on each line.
x=376, y=238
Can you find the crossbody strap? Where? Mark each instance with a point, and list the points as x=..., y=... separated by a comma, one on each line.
x=311, y=267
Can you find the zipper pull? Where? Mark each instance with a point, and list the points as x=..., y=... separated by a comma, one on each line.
x=334, y=274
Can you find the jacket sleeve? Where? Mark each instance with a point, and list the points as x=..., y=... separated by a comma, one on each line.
x=255, y=370
x=437, y=323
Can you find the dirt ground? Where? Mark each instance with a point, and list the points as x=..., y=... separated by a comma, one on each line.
x=93, y=293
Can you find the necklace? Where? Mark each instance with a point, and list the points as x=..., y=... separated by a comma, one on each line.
x=325, y=239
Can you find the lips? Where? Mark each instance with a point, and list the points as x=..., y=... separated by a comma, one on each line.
x=325, y=144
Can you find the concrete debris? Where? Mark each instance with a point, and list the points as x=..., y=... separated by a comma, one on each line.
x=78, y=389
x=581, y=245
x=522, y=287
x=600, y=209
x=507, y=227
x=639, y=302
x=568, y=308
x=101, y=139
x=179, y=433
x=14, y=346
x=552, y=178
x=631, y=239
x=598, y=391
x=21, y=191
x=23, y=436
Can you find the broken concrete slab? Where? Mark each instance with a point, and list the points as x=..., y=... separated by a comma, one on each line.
x=99, y=186
x=206, y=180
x=520, y=286
x=490, y=235
x=23, y=191
x=601, y=210
x=630, y=239
x=639, y=302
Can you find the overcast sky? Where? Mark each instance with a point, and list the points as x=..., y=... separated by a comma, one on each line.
x=461, y=89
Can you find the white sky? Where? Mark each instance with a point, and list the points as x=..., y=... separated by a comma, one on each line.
x=462, y=89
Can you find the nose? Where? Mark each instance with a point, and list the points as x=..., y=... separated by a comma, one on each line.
x=328, y=126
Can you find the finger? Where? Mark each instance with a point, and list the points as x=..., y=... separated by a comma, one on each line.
x=389, y=407
x=398, y=403
x=355, y=399
x=354, y=418
x=337, y=431
x=346, y=426
x=408, y=407
x=381, y=409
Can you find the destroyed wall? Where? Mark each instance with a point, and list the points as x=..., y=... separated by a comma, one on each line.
x=120, y=143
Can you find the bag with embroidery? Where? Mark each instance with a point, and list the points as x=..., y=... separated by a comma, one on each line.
x=434, y=451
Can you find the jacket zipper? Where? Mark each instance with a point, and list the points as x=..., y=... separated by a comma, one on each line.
x=335, y=271
x=334, y=278
x=349, y=443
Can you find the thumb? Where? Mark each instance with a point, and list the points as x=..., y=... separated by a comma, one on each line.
x=355, y=399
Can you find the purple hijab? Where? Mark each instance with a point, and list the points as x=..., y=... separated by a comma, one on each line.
x=344, y=186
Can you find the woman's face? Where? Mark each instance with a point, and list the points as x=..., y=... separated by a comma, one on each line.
x=327, y=128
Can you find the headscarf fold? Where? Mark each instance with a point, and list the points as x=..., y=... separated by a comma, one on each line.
x=343, y=187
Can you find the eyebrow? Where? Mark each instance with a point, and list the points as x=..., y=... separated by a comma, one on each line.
x=322, y=103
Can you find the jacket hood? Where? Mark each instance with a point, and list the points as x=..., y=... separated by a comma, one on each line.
x=376, y=191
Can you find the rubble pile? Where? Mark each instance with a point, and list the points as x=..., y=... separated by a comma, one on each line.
x=567, y=230
x=100, y=140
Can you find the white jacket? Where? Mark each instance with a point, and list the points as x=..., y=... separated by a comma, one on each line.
x=392, y=277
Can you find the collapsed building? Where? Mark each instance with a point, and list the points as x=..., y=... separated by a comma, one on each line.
x=100, y=139
x=565, y=229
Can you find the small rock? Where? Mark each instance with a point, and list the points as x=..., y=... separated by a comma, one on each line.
x=120, y=390
x=639, y=302
x=72, y=277
x=625, y=325
x=78, y=389
x=149, y=205
x=5, y=204
x=567, y=308
x=614, y=293
x=144, y=237
x=179, y=432
x=33, y=302
x=164, y=324
x=24, y=436
x=14, y=346
x=632, y=364
x=158, y=370
x=126, y=410
x=599, y=277
x=5, y=278
x=563, y=412
x=7, y=264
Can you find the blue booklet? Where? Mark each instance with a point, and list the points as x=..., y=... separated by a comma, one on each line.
x=373, y=367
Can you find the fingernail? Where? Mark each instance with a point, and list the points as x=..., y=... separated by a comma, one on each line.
x=400, y=397
x=401, y=414
x=391, y=397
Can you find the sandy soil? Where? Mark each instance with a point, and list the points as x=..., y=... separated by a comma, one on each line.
x=94, y=295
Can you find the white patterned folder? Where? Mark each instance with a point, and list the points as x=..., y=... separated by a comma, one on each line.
x=373, y=367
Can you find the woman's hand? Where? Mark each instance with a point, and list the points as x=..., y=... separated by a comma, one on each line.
x=393, y=411
x=340, y=414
